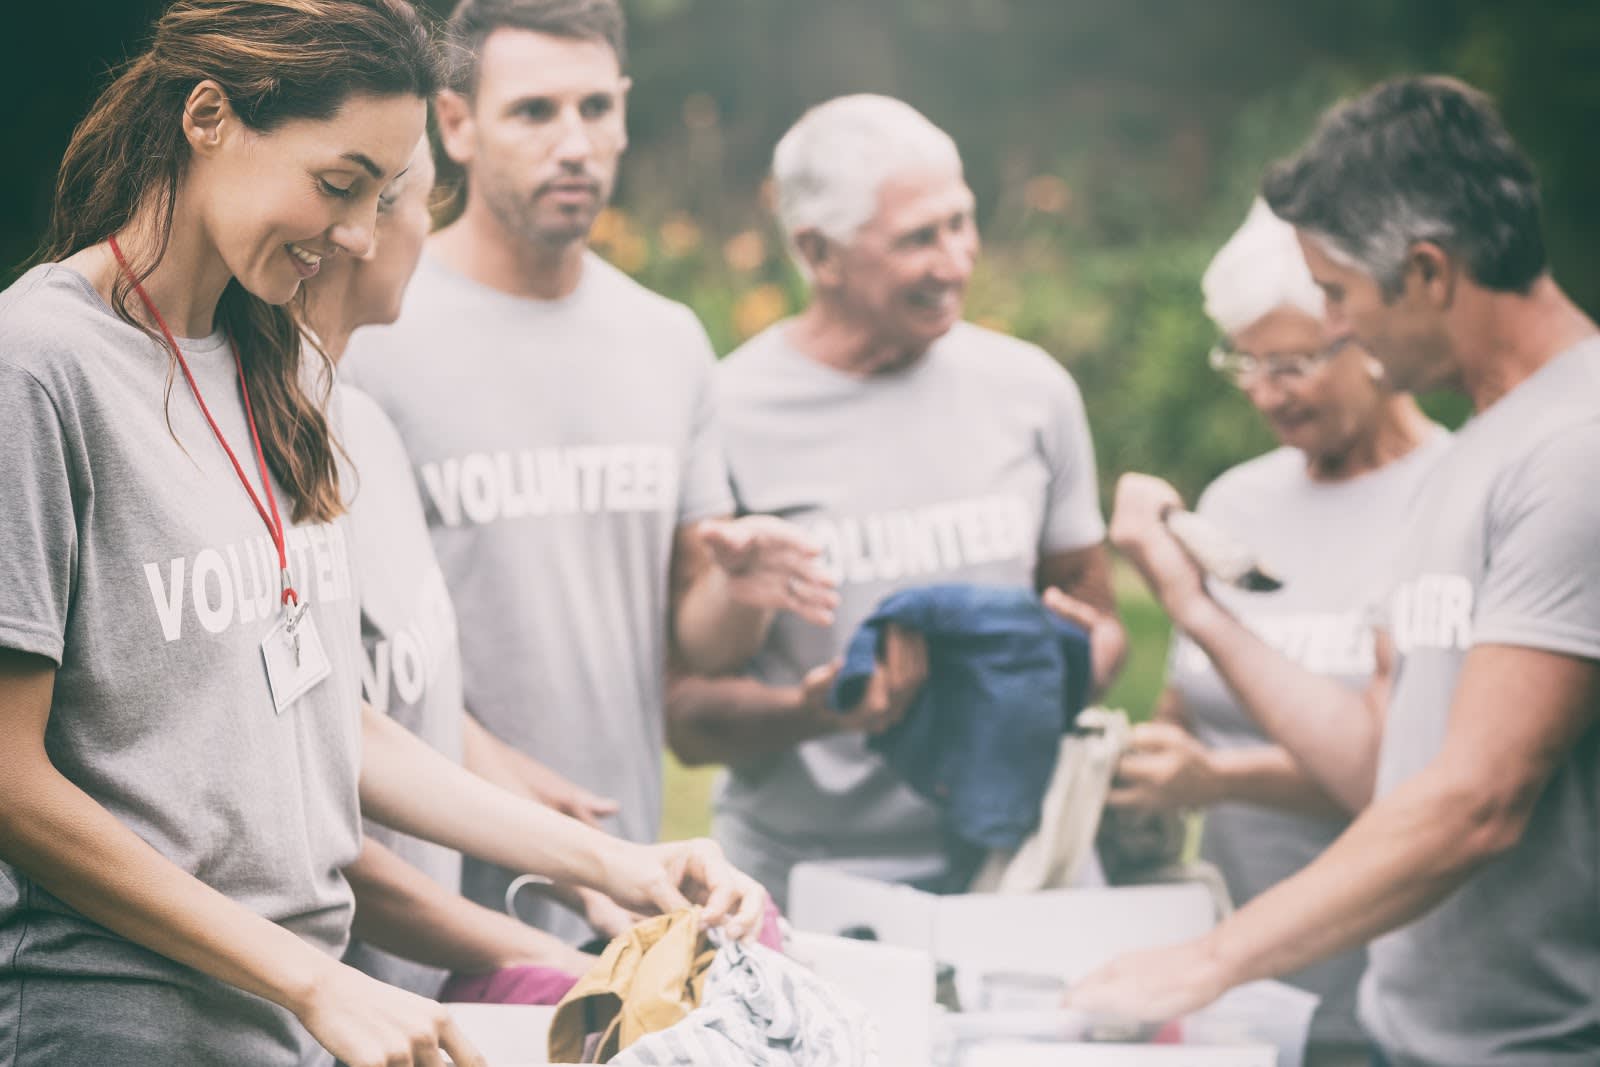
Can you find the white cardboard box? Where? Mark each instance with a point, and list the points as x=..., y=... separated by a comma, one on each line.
x=1066, y=933
x=893, y=985
x=508, y=1035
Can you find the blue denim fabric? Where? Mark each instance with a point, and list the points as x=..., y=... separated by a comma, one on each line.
x=1006, y=677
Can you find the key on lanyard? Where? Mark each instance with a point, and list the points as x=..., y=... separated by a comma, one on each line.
x=291, y=626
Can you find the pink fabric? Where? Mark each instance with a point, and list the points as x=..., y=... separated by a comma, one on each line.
x=771, y=935
x=546, y=985
x=511, y=985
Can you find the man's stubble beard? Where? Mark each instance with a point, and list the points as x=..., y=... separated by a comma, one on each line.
x=517, y=214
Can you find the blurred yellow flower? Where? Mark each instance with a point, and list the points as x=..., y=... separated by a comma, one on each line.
x=679, y=236
x=758, y=309
x=745, y=251
x=1047, y=193
x=628, y=251
x=610, y=224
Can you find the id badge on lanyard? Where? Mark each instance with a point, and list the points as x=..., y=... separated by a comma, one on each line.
x=295, y=658
x=292, y=651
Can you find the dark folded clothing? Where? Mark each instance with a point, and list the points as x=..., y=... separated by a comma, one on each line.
x=1006, y=678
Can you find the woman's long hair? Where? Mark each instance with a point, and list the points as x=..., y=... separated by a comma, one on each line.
x=276, y=60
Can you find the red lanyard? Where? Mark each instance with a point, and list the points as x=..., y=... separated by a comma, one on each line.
x=273, y=521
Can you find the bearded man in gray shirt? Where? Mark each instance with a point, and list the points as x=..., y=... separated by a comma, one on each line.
x=1475, y=869
x=916, y=449
x=560, y=421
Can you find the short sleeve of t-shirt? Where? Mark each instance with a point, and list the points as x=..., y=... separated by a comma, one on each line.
x=1072, y=517
x=1541, y=585
x=37, y=527
x=703, y=491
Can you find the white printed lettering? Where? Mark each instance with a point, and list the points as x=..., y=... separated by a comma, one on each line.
x=238, y=583
x=444, y=489
x=486, y=487
x=1433, y=611
x=214, y=615
x=169, y=600
x=375, y=676
x=410, y=672
x=247, y=607
x=888, y=546
x=621, y=463
x=480, y=489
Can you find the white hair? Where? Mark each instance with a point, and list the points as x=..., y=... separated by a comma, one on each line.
x=828, y=168
x=1259, y=270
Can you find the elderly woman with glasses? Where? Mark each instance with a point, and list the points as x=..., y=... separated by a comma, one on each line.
x=1322, y=510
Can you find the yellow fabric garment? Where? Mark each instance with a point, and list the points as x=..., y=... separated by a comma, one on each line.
x=647, y=980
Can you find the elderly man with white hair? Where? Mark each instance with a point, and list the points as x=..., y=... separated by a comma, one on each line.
x=1325, y=509
x=915, y=448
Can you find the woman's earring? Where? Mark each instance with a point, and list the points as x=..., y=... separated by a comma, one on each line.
x=1374, y=369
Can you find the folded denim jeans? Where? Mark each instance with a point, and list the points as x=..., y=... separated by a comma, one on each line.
x=1006, y=678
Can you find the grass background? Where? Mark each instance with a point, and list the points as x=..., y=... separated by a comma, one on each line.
x=687, y=800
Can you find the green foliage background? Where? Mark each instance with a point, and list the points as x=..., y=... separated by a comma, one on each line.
x=1113, y=148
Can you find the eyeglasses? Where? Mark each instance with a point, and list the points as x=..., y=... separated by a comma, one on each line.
x=1281, y=367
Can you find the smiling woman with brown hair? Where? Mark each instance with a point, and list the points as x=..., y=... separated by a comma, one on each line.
x=178, y=673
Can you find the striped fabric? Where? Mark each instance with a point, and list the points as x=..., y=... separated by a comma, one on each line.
x=761, y=1009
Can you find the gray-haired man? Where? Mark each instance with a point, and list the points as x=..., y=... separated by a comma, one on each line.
x=915, y=449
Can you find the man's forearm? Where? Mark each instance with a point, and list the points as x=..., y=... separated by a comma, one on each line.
x=1402, y=856
x=404, y=912
x=712, y=632
x=1331, y=730
x=736, y=720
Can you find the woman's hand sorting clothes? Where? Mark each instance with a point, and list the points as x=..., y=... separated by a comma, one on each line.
x=677, y=874
x=901, y=670
x=771, y=563
x=1164, y=767
x=1139, y=533
x=366, y=1023
x=608, y=918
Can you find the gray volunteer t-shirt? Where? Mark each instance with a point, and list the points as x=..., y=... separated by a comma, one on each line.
x=134, y=559
x=1503, y=549
x=1334, y=545
x=408, y=627
x=558, y=445
x=965, y=466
